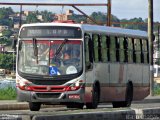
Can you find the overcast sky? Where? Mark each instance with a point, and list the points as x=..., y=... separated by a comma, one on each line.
x=120, y=8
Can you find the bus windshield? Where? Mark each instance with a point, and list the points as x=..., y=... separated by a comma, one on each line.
x=54, y=57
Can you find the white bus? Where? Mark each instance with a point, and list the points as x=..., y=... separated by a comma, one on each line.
x=106, y=64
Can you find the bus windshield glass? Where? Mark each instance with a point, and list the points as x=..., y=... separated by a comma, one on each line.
x=50, y=32
x=49, y=62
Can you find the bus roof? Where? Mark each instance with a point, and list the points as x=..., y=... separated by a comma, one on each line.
x=97, y=29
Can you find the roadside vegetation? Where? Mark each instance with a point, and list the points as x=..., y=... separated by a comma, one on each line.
x=8, y=93
x=6, y=61
x=157, y=90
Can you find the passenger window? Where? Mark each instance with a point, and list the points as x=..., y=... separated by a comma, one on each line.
x=95, y=41
x=145, y=50
x=117, y=49
x=137, y=50
x=142, y=55
x=104, y=49
x=125, y=44
x=121, y=49
x=88, y=52
x=113, y=49
x=130, y=50
x=99, y=48
x=134, y=51
x=108, y=47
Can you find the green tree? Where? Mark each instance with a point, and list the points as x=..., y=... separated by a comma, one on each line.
x=139, y=24
x=99, y=17
x=6, y=37
x=32, y=18
x=7, y=33
x=115, y=21
x=47, y=16
x=4, y=16
x=5, y=12
x=7, y=22
x=6, y=61
x=78, y=18
x=124, y=25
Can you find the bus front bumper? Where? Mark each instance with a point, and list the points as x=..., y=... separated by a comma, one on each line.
x=51, y=97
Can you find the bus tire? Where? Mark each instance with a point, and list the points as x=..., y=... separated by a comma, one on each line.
x=128, y=97
x=95, y=98
x=34, y=106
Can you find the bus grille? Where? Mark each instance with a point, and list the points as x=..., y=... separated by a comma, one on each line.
x=48, y=95
x=48, y=82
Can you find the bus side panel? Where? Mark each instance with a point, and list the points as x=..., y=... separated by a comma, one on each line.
x=116, y=89
x=140, y=92
x=137, y=73
x=102, y=74
x=134, y=74
x=144, y=91
x=146, y=75
x=114, y=73
x=90, y=77
x=113, y=93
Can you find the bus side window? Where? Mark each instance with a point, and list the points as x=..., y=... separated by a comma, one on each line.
x=99, y=48
x=125, y=44
x=104, y=48
x=121, y=49
x=130, y=50
x=88, y=51
x=108, y=47
x=112, y=49
x=95, y=42
x=142, y=55
x=145, y=50
x=117, y=49
x=138, y=50
x=134, y=51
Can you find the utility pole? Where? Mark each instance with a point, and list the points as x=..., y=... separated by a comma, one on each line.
x=20, y=19
x=158, y=38
x=109, y=13
x=150, y=37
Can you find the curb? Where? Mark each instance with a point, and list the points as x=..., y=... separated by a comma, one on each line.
x=14, y=106
x=116, y=115
x=135, y=114
x=22, y=106
x=141, y=114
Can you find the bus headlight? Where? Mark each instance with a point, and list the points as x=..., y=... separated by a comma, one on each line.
x=75, y=86
x=22, y=83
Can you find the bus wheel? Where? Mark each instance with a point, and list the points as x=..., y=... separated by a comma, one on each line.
x=129, y=95
x=128, y=99
x=34, y=106
x=75, y=105
x=95, y=99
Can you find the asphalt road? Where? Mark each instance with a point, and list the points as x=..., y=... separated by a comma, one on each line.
x=149, y=103
x=101, y=107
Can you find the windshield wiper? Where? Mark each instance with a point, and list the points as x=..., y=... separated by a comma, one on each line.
x=60, y=48
x=35, y=49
